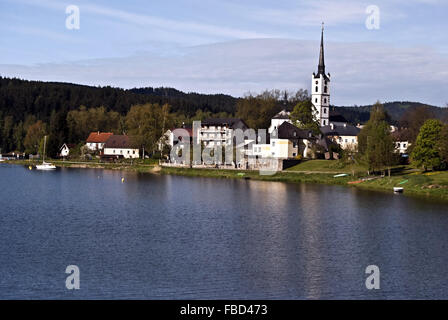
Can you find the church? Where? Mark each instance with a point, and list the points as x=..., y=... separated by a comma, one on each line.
x=333, y=126
x=320, y=88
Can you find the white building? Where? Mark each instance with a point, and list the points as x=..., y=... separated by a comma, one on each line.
x=64, y=151
x=119, y=146
x=286, y=142
x=219, y=131
x=278, y=119
x=170, y=139
x=401, y=139
x=320, y=88
x=402, y=146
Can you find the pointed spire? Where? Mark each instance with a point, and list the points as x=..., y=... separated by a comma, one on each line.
x=321, y=67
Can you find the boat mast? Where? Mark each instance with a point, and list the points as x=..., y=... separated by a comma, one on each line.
x=45, y=143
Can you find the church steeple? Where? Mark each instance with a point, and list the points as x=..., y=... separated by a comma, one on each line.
x=320, y=88
x=321, y=67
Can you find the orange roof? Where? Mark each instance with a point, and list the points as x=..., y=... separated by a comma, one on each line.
x=99, y=137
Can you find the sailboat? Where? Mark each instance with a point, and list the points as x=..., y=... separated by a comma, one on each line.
x=45, y=165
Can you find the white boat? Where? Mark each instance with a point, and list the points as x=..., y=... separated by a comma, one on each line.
x=398, y=189
x=45, y=165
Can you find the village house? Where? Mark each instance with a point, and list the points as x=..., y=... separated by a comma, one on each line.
x=170, y=139
x=278, y=119
x=346, y=135
x=401, y=139
x=96, y=140
x=120, y=146
x=64, y=150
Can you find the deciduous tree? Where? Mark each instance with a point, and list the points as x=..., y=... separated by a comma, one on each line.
x=34, y=136
x=426, y=152
x=303, y=116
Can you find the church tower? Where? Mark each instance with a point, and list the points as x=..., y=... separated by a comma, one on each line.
x=320, y=88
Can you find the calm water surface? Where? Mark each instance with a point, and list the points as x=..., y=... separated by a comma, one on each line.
x=171, y=237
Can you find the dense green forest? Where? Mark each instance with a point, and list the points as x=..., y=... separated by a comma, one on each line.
x=68, y=112
x=395, y=110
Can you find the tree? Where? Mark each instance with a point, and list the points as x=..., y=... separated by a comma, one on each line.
x=426, y=152
x=303, y=116
x=443, y=145
x=83, y=121
x=34, y=136
x=19, y=135
x=258, y=110
x=147, y=123
x=413, y=119
x=7, y=134
x=375, y=144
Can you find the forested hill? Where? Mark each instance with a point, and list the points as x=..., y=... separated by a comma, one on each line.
x=396, y=110
x=19, y=98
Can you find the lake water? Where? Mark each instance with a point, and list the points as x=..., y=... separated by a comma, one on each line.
x=172, y=237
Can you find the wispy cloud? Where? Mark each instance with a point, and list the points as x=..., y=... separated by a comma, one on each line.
x=145, y=20
x=360, y=72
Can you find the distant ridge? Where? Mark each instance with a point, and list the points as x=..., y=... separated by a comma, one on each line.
x=23, y=97
x=395, y=110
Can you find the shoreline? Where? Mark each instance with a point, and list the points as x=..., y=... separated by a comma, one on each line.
x=420, y=186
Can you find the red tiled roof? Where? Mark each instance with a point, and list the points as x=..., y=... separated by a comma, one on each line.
x=99, y=137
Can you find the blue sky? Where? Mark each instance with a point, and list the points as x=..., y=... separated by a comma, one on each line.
x=234, y=47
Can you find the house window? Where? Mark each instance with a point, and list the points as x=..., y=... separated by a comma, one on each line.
x=273, y=143
x=133, y=152
x=325, y=89
x=315, y=100
x=346, y=140
x=325, y=110
x=293, y=154
x=316, y=89
x=129, y=152
x=317, y=82
x=325, y=100
x=325, y=82
x=114, y=150
x=324, y=123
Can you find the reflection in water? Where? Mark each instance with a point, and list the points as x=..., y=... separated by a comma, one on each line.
x=157, y=236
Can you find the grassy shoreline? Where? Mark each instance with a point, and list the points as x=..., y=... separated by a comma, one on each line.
x=427, y=189
x=433, y=185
